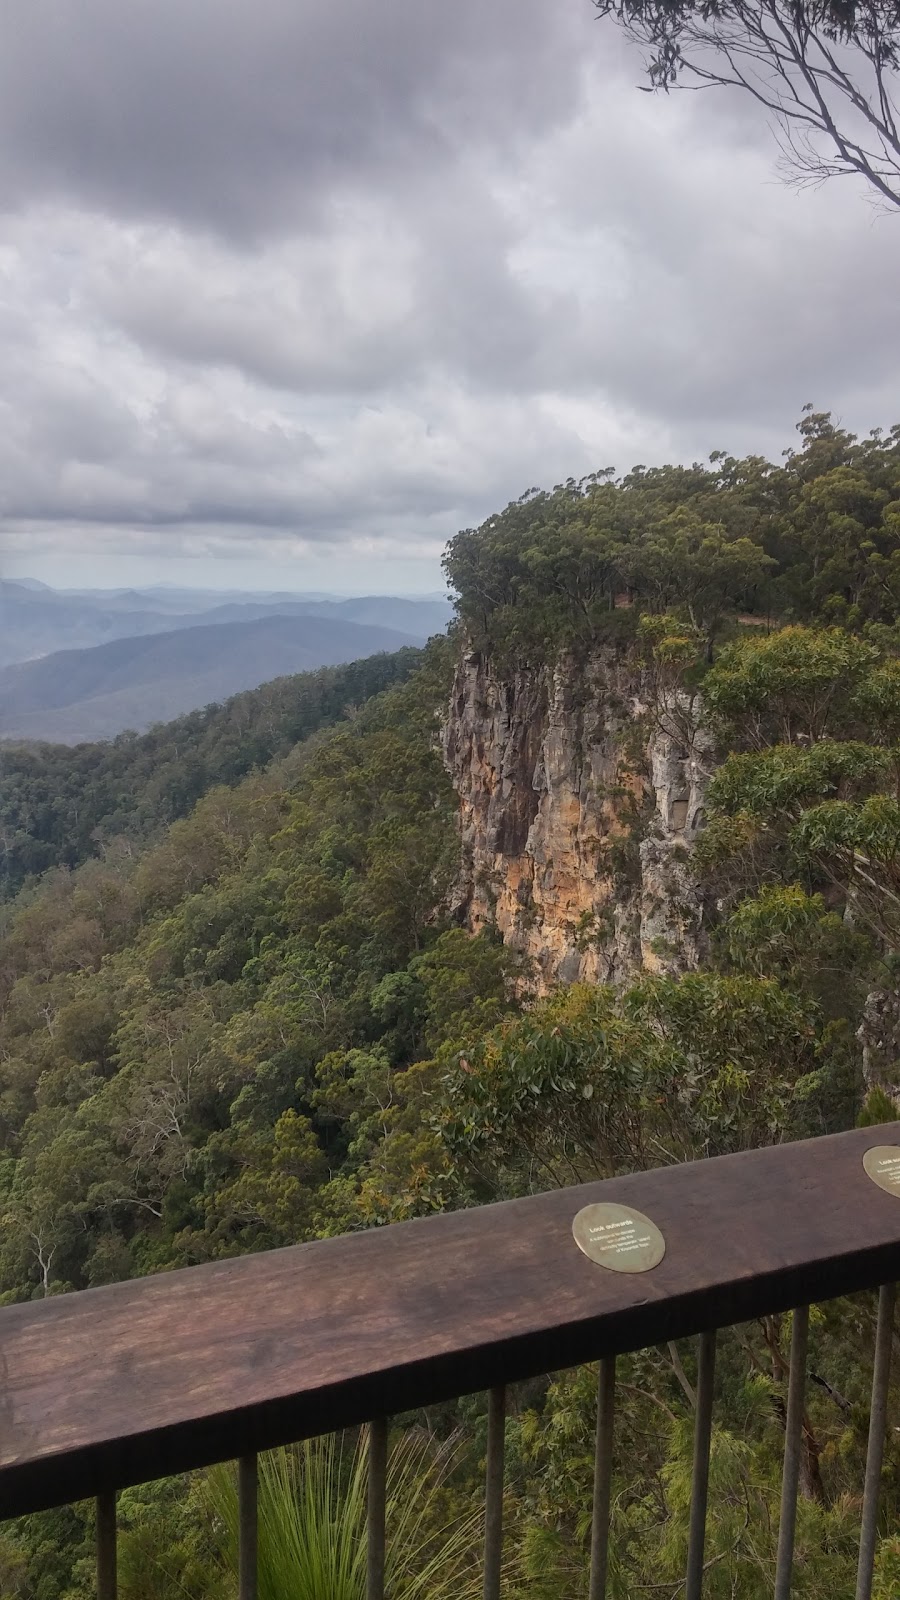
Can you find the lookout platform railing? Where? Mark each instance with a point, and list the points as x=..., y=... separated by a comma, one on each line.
x=116, y=1386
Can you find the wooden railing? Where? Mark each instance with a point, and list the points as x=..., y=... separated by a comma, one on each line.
x=116, y=1386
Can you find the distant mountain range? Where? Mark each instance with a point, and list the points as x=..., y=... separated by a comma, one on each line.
x=76, y=695
x=36, y=620
x=87, y=664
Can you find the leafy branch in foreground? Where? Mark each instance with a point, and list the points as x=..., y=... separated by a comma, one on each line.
x=312, y=1523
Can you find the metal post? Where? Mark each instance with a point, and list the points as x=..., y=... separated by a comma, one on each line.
x=875, y=1453
x=606, y=1399
x=248, y=1527
x=793, y=1445
x=493, y=1492
x=706, y=1372
x=106, y=1545
x=378, y=1434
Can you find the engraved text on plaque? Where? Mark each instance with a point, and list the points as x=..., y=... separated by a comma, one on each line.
x=882, y=1163
x=619, y=1237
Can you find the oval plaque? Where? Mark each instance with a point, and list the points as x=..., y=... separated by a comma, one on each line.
x=882, y=1164
x=619, y=1237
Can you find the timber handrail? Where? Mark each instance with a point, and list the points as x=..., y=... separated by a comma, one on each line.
x=117, y=1385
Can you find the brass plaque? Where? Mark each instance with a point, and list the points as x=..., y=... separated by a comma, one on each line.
x=619, y=1237
x=882, y=1163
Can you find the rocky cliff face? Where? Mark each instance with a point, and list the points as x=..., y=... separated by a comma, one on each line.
x=577, y=816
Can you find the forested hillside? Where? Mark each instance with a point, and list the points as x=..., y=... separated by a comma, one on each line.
x=72, y=696
x=817, y=538
x=259, y=1019
x=59, y=806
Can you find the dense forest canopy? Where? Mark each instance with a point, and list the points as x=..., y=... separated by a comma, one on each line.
x=817, y=538
x=257, y=1020
x=58, y=806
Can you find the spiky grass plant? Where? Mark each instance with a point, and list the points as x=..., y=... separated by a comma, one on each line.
x=312, y=1523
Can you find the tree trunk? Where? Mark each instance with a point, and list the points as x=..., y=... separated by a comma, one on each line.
x=879, y=1035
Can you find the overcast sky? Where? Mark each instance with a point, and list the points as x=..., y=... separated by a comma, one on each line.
x=292, y=290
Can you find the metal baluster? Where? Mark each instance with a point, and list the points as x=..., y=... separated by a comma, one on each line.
x=875, y=1453
x=378, y=1434
x=606, y=1399
x=493, y=1492
x=248, y=1527
x=706, y=1371
x=106, y=1545
x=793, y=1444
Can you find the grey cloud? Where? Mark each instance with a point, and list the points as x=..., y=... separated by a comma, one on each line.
x=382, y=294
x=732, y=298
x=351, y=276
x=245, y=118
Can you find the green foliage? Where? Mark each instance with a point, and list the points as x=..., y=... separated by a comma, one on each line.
x=225, y=1044
x=796, y=684
x=817, y=538
x=592, y=1082
x=787, y=778
x=236, y=1013
x=167, y=1546
x=312, y=1523
x=787, y=934
x=682, y=561
x=60, y=806
x=878, y=1107
x=655, y=1398
x=814, y=788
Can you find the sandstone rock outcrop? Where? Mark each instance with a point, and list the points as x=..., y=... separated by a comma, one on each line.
x=578, y=812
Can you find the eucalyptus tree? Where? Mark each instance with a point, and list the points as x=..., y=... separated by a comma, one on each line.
x=826, y=71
